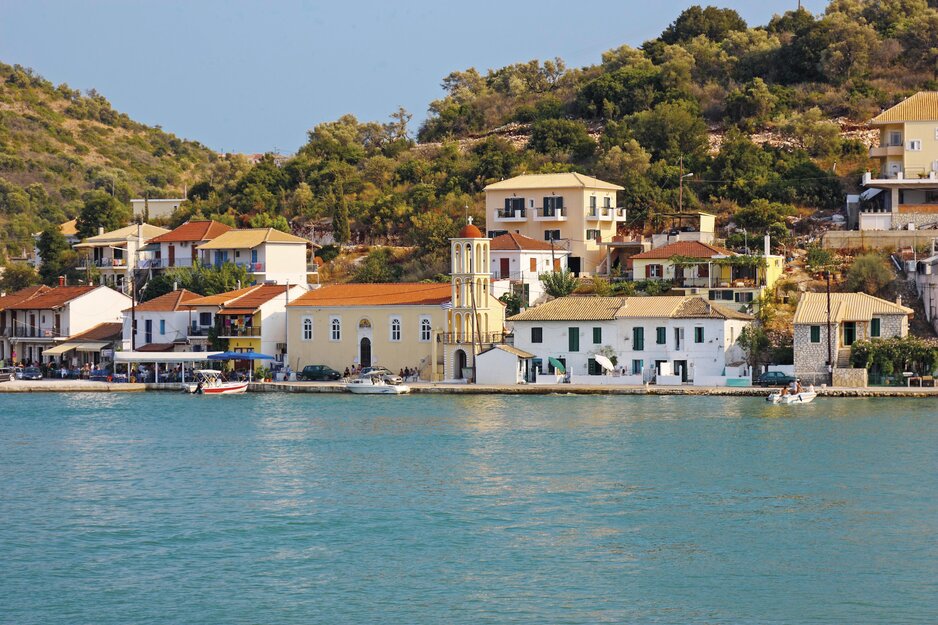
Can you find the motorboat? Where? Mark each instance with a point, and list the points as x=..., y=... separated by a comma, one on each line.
x=804, y=397
x=209, y=382
x=374, y=384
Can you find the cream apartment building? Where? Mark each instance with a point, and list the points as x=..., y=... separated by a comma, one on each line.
x=576, y=211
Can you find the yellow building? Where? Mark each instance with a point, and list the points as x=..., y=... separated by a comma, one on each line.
x=723, y=276
x=903, y=191
x=577, y=211
x=427, y=327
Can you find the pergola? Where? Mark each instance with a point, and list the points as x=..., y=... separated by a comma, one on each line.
x=157, y=358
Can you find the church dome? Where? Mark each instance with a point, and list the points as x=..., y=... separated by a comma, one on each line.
x=470, y=231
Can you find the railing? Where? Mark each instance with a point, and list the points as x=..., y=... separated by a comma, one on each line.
x=103, y=263
x=229, y=332
x=28, y=332
x=198, y=330
x=552, y=212
x=250, y=267
x=484, y=337
x=517, y=213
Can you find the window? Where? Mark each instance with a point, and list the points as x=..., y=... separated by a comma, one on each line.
x=607, y=202
x=638, y=339
x=593, y=202
x=205, y=319
x=537, y=335
x=744, y=297
x=553, y=206
x=637, y=367
x=552, y=235
x=307, y=329
x=162, y=326
x=425, y=330
x=915, y=145
x=335, y=326
x=815, y=334
x=395, y=329
x=592, y=367
x=654, y=271
x=661, y=336
x=496, y=233
x=597, y=336
x=592, y=235
x=698, y=334
x=573, y=339
x=875, y=329
x=514, y=207
x=895, y=138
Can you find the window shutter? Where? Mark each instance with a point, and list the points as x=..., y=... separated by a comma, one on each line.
x=647, y=271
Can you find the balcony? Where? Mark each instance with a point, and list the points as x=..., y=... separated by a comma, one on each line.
x=518, y=214
x=103, y=263
x=550, y=214
x=32, y=333
x=197, y=331
x=601, y=213
x=887, y=150
x=486, y=338
x=249, y=267
x=232, y=332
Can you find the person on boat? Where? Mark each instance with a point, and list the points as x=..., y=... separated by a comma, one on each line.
x=199, y=387
x=784, y=391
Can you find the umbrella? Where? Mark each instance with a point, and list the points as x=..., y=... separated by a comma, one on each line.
x=241, y=356
x=603, y=362
x=557, y=364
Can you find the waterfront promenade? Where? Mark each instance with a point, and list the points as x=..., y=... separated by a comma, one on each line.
x=426, y=388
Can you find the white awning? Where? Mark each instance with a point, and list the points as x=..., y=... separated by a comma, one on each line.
x=59, y=349
x=90, y=346
x=161, y=357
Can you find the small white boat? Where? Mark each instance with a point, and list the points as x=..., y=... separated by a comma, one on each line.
x=375, y=385
x=803, y=397
x=209, y=382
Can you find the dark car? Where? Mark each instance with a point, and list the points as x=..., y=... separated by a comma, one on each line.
x=774, y=378
x=32, y=373
x=316, y=373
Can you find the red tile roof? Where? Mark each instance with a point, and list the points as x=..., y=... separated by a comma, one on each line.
x=102, y=332
x=396, y=294
x=193, y=231
x=22, y=295
x=514, y=241
x=694, y=249
x=168, y=302
x=53, y=298
x=241, y=301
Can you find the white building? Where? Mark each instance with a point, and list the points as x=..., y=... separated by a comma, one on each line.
x=162, y=323
x=268, y=254
x=667, y=339
x=518, y=261
x=179, y=247
x=159, y=208
x=49, y=317
x=116, y=254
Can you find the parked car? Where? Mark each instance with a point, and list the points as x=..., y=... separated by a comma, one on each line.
x=18, y=373
x=774, y=378
x=318, y=373
x=386, y=374
x=32, y=373
x=6, y=374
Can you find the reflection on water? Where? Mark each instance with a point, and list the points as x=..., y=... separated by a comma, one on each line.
x=466, y=509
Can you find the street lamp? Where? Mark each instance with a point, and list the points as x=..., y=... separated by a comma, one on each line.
x=680, y=193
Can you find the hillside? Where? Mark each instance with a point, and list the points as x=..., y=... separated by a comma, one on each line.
x=56, y=144
x=770, y=119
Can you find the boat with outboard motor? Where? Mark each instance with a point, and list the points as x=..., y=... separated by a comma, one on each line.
x=210, y=382
x=373, y=383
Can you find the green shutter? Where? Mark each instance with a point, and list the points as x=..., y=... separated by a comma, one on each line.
x=597, y=335
x=661, y=336
x=638, y=338
x=573, y=339
x=698, y=335
x=815, y=334
x=875, y=330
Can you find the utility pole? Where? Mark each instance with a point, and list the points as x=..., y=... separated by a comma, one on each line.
x=680, y=191
x=830, y=353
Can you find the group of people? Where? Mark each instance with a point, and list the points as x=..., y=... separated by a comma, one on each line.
x=795, y=388
x=407, y=373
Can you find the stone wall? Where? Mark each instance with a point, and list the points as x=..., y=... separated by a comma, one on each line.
x=901, y=221
x=893, y=326
x=850, y=378
x=876, y=239
x=811, y=358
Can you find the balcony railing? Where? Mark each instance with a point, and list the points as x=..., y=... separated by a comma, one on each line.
x=232, y=332
x=518, y=214
x=29, y=332
x=198, y=330
x=485, y=337
x=103, y=263
x=551, y=214
x=249, y=267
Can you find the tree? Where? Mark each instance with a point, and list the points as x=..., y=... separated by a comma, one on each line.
x=201, y=279
x=378, y=266
x=341, y=229
x=672, y=130
x=16, y=276
x=559, y=283
x=57, y=257
x=100, y=210
x=559, y=137
x=755, y=344
x=869, y=273
x=713, y=23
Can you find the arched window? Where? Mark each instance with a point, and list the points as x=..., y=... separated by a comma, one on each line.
x=395, y=328
x=364, y=323
x=335, y=325
x=307, y=329
x=425, y=331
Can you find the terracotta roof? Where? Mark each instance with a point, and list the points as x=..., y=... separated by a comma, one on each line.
x=168, y=302
x=250, y=238
x=573, y=308
x=241, y=301
x=514, y=241
x=812, y=308
x=193, y=231
x=569, y=180
x=156, y=347
x=69, y=228
x=53, y=298
x=921, y=107
x=22, y=295
x=101, y=332
x=124, y=234
x=590, y=308
x=514, y=351
x=694, y=249
x=396, y=294
x=469, y=231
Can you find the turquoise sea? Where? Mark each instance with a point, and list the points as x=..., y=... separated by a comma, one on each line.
x=277, y=509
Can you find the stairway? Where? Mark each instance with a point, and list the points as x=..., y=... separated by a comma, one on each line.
x=843, y=359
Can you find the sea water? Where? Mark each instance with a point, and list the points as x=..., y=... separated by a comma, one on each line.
x=268, y=508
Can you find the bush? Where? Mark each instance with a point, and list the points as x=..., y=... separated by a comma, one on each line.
x=559, y=283
x=869, y=273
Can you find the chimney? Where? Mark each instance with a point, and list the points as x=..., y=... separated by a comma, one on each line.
x=61, y=280
x=100, y=229
x=898, y=300
x=239, y=284
x=768, y=246
x=139, y=236
x=175, y=286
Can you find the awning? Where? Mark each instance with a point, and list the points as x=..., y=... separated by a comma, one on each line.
x=557, y=364
x=59, y=349
x=90, y=346
x=161, y=357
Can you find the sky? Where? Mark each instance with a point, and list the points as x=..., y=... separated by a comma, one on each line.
x=254, y=75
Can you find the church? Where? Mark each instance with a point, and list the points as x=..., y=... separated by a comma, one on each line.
x=435, y=328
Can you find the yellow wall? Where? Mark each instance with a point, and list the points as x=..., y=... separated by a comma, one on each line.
x=576, y=205
x=912, y=162
x=246, y=344
x=410, y=351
